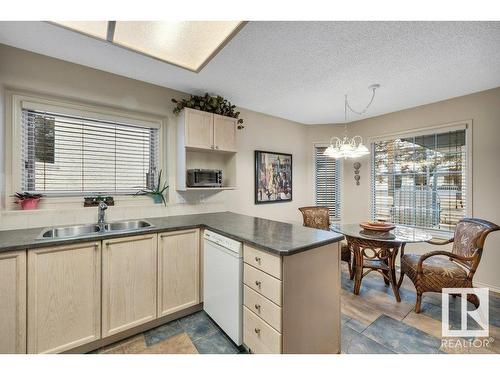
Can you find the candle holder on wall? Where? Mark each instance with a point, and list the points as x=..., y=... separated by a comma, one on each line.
x=357, y=166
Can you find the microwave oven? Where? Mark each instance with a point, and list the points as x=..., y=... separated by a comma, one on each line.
x=204, y=178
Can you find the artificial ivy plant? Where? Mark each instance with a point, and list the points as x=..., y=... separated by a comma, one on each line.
x=208, y=103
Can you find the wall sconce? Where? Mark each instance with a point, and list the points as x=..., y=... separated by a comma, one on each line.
x=357, y=165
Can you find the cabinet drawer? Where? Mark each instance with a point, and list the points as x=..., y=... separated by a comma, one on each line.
x=262, y=307
x=266, y=262
x=259, y=336
x=263, y=283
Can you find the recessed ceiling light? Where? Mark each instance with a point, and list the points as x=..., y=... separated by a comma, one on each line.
x=187, y=44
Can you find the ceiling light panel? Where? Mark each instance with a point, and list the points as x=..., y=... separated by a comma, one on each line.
x=188, y=44
x=98, y=29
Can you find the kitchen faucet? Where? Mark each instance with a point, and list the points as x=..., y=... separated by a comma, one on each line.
x=100, y=214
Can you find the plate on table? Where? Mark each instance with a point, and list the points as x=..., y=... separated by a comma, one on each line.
x=377, y=226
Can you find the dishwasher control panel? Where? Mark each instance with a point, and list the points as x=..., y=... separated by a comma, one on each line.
x=223, y=241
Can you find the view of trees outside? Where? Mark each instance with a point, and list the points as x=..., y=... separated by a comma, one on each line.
x=421, y=181
x=67, y=154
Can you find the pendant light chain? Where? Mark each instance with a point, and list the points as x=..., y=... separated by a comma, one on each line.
x=354, y=147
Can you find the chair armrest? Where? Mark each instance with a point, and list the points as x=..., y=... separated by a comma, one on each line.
x=445, y=242
x=445, y=253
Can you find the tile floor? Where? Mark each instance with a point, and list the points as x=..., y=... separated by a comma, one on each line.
x=372, y=322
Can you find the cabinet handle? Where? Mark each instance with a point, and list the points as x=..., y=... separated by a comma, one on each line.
x=257, y=307
x=257, y=331
x=257, y=259
x=216, y=147
x=107, y=244
x=258, y=283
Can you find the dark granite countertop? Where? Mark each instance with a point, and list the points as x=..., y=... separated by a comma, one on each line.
x=273, y=236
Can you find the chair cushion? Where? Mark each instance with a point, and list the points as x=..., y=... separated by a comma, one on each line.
x=436, y=266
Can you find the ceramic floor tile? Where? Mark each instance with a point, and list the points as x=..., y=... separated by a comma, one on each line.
x=129, y=346
x=424, y=323
x=178, y=344
x=401, y=337
x=197, y=325
x=163, y=332
x=357, y=343
x=216, y=343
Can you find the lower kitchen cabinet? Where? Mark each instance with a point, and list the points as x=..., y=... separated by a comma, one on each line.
x=178, y=270
x=13, y=302
x=64, y=297
x=129, y=278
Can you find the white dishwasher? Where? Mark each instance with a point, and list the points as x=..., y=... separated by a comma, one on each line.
x=223, y=283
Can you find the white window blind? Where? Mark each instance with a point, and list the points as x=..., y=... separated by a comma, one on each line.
x=327, y=182
x=71, y=155
x=421, y=181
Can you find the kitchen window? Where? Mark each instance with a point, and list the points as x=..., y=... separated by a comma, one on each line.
x=422, y=180
x=327, y=182
x=68, y=154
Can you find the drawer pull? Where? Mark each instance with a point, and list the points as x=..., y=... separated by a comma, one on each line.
x=257, y=259
x=257, y=307
x=258, y=283
x=257, y=331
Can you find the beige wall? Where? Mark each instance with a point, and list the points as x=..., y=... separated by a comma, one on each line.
x=484, y=110
x=32, y=72
x=26, y=71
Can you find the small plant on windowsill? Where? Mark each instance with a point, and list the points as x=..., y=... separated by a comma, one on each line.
x=27, y=201
x=156, y=192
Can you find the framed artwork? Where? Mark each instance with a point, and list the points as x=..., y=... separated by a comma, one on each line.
x=273, y=177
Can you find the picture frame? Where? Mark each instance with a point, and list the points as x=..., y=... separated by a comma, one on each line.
x=273, y=177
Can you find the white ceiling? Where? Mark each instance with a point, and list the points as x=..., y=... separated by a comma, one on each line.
x=301, y=70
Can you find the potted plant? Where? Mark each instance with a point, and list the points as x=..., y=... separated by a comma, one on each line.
x=28, y=201
x=156, y=192
x=209, y=103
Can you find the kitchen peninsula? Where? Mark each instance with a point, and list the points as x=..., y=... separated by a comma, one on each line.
x=79, y=294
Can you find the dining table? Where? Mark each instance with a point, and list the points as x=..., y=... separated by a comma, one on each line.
x=377, y=251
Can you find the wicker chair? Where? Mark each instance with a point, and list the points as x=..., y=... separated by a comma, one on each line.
x=319, y=218
x=430, y=273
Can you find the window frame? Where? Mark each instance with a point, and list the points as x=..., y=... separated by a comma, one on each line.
x=17, y=101
x=429, y=130
x=340, y=179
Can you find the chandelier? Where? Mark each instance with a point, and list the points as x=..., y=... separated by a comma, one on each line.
x=349, y=147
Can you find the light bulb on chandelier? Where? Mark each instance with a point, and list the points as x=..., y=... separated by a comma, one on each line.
x=349, y=147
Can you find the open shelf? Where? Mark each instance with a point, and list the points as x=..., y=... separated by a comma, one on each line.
x=208, y=188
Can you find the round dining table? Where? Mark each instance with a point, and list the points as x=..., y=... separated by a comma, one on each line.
x=377, y=251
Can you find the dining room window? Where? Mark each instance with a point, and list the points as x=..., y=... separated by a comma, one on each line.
x=422, y=180
x=327, y=182
x=64, y=154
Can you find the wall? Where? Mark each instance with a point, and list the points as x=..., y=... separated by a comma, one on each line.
x=26, y=71
x=484, y=110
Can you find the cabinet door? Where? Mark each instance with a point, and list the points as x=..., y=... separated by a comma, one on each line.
x=199, y=129
x=64, y=297
x=128, y=282
x=225, y=133
x=178, y=271
x=13, y=302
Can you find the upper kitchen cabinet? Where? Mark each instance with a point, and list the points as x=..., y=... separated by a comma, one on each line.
x=198, y=129
x=13, y=302
x=207, y=131
x=225, y=133
x=206, y=141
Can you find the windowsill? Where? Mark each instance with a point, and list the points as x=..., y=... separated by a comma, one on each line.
x=52, y=204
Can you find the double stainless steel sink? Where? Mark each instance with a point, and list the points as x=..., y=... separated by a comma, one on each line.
x=76, y=231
